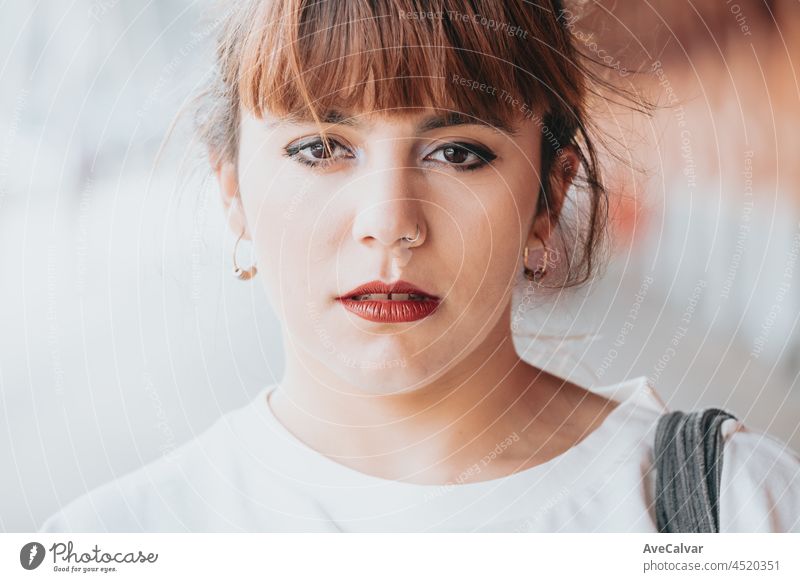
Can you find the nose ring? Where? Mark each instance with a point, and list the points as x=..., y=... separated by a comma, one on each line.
x=415, y=239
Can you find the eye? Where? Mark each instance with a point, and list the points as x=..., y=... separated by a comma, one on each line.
x=462, y=156
x=315, y=153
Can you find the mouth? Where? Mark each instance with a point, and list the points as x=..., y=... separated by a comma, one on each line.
x=380, y=302
x=390, y=297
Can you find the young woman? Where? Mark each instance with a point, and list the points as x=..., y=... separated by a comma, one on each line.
x=399, y=167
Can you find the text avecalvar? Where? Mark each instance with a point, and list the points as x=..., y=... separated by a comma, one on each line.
x=672, y=549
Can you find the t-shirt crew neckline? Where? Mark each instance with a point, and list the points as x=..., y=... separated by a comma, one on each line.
x=350, y=500
x=586, y=459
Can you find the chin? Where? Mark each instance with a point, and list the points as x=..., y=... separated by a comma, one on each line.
x=390, y=377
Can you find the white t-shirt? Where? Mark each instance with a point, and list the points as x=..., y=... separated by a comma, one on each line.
x=249, y=473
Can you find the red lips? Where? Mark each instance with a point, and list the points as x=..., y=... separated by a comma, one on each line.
x=389, y=310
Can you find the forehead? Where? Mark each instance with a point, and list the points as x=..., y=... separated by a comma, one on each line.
x=421, y=120
x=288, y=57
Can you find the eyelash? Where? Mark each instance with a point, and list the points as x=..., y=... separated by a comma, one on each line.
x=293, y=152
x=483, y=155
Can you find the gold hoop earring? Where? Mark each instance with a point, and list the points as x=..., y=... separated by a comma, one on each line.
x=238, y=272
x=540, y=271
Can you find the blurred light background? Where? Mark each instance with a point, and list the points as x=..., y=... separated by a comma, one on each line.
x=123, y=334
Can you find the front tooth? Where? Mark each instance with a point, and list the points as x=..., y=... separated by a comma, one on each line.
x=372, y=297
x=389, y=297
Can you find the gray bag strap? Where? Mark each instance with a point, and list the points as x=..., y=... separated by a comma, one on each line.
x=688, y=459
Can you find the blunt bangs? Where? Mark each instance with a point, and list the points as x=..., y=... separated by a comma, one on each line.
x=484, y=59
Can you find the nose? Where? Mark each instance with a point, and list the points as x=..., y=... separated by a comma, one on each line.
x=388, y=208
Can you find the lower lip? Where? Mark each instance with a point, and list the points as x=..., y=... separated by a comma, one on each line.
x=389, y=311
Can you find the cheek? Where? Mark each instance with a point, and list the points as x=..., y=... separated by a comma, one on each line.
x=281, y=210
x=497, y=233
x=295, y=238
x=279, y=201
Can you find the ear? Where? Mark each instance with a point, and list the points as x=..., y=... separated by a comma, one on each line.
x=564, y=168
x=228, y=178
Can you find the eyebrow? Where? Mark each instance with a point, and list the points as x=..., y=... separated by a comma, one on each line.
x=454, y=119
x=440, y=121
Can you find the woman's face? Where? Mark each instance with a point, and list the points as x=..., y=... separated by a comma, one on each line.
x=326, y=221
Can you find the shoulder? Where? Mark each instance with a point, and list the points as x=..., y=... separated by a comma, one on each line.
x=210, y=483
x=149, y=497
x=760, y=482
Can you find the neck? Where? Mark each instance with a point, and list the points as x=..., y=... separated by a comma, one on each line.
x=489, y=396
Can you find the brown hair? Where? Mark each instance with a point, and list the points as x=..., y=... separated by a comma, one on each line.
x=308, y=57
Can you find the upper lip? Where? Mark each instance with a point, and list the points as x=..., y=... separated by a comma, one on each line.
x=380, y=287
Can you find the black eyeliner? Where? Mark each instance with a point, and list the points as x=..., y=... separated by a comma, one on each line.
x=484, y=155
